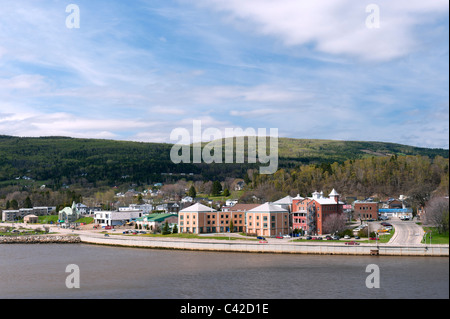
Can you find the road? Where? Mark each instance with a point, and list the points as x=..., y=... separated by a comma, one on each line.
x=406, y=232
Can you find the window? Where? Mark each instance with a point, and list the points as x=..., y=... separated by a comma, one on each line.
x=265, y=218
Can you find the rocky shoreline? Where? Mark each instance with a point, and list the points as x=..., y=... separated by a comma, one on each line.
x=42, y=239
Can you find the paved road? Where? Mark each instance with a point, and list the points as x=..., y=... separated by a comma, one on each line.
x=406, y=232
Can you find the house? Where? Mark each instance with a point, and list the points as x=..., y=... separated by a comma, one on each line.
x=231, y=202
x=31, y=219
x=239, y=186
x=144, y=208
x=310, y=214
x=69, y=214
x=267, y=220
x=187, y=199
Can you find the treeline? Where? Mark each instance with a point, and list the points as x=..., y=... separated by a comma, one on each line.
x=416, y=176
x=89, y=163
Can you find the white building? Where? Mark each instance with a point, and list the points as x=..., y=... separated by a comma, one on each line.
x=145, y=208
x=108, y=218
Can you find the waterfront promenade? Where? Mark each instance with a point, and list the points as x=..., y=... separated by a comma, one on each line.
x=272, y=245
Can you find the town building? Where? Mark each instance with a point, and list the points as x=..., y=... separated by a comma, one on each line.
x=69, y=214
x=114, y=218
x=311, y=213
x=155, y=221
x=31, y=219
x=198, y=219
x=365, y=210
x=267, y=220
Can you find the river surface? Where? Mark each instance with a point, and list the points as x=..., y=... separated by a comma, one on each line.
x=39, y=271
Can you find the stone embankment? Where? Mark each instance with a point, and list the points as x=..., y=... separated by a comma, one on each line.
x=42, y=239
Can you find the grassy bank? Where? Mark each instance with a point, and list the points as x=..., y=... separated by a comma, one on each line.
x=436, y=238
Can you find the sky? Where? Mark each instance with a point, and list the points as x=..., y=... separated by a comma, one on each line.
x=136, y=70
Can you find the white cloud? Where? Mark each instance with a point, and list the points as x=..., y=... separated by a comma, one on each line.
x=335, y=26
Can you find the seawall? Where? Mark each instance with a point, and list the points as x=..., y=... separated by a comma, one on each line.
x=42, y=239
x=280, y=248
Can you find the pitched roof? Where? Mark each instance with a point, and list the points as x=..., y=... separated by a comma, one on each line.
x=284, y=201
x=333, y=193
x=197, y=208
x=268, y=208
x=243, y=207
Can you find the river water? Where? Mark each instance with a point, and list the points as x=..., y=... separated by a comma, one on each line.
x=39, y=271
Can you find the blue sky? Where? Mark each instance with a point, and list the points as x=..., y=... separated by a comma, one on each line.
x=136, y=70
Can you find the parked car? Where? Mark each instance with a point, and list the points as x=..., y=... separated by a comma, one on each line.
x=352, y=243
x=386, y=224
x=328, y=238
x=335, y=237
x=373, y=238
x=260, y=238
x=287, y=236
x=279, y=237
x=357, y=237
x=308, y=238
x=346, y=237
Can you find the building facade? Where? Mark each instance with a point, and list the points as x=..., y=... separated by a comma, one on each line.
x=310, y=214
x=267, y=220
x=365, y=210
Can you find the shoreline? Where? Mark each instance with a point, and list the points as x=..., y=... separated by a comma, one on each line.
x=64, y=236
x=272, y=248
x=40, y=239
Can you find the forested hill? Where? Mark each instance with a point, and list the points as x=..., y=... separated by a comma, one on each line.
x=57, y=160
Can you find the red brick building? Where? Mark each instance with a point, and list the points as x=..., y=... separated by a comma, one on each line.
x=364, y=210
x=310, y=214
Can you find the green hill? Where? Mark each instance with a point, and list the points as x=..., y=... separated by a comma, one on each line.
x=56, y=161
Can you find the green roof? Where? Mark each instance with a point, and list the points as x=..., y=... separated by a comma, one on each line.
x=158, y=217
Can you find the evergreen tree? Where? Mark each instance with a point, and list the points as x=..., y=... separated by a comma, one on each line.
x=166, y=229
x=14, y=204
x=28, y=203
x=226, y=192
x=216, y=188
x=192, y=192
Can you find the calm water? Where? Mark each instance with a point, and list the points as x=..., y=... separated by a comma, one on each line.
x=38, y=271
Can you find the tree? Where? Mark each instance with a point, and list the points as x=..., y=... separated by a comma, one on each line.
x=231, y=226
x=166, y=229
x=28, y=203
x=334, y=223
x=14, y=204
x=192, y=192
x=437, y=214
x=216, y=188
x=8, y=205
x=175, y=229
x=226, y=192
